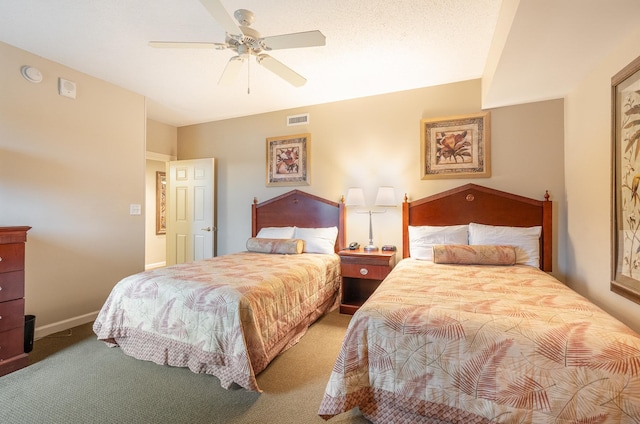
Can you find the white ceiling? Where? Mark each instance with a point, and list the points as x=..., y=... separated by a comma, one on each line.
x=526, y=50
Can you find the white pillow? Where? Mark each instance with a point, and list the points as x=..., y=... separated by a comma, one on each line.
x=422, y=238
x=525, y=240
x=317, y=240
x=276, y=232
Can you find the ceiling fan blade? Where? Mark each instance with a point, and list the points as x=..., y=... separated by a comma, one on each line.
x=231, y=71
x=281, y=70
x=294, y=40
x=187, y=45
x=219, y=13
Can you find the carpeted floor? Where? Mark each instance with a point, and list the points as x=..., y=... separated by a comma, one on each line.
x=73, y=378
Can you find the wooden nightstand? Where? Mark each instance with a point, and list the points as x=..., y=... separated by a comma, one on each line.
x=362, y=273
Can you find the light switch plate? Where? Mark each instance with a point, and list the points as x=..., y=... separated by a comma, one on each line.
x=135, y=209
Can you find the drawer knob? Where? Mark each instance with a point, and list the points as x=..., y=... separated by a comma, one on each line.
x=364, y=271
x=0, y=258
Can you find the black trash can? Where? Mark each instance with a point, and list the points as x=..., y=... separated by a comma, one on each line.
x=29, y=330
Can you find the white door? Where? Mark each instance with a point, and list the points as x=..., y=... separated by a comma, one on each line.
x=191, y=208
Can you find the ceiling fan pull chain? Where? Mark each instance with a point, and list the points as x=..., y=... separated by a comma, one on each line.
x=249, y=73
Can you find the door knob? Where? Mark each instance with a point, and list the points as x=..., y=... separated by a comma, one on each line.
x=206, y=229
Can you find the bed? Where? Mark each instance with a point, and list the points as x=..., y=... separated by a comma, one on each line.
x=474, y=336
x=229, y=316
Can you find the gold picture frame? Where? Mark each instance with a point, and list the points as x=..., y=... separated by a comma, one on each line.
x=456, y=147
x=625, y=133
x=289, y=160
x=161, y=202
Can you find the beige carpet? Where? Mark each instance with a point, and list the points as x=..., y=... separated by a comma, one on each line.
x=88, y=382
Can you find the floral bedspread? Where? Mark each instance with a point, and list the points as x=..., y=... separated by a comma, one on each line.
x=228, y=316
x=484, y=344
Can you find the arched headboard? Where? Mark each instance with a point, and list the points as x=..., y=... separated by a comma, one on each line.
x=482, y=205
x=300, y=209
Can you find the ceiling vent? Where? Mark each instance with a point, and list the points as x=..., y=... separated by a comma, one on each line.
x=302, y=119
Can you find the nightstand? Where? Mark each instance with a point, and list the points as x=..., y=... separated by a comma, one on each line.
x=362, y=273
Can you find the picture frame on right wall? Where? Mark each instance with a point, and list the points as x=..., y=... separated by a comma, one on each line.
x=456, y=147
x=625, y=133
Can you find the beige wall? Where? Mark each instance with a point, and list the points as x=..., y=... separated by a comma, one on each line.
x=70, y=169
x=588, y=184
x=162, y=146
x=375, y=141
x=162, y=138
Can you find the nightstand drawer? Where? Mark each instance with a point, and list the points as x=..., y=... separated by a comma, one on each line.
x=371, y=272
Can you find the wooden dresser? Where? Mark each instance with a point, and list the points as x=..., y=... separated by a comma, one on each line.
x=12, y=356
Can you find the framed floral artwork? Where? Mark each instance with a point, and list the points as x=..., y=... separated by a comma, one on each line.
x=456, y=147
x=288, y=160
x=625, y=100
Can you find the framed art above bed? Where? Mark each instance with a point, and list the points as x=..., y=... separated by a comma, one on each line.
x=456, y=147
x=289, y=160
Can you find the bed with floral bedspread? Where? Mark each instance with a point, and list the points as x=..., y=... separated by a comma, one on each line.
x=228, y=316
x=442, y=343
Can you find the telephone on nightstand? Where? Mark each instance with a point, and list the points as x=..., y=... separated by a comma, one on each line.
x=354, y=245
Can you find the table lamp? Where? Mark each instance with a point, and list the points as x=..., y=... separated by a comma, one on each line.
x=384, y=198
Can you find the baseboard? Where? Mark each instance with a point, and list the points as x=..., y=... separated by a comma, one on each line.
x=45, y=330
x=156, y=265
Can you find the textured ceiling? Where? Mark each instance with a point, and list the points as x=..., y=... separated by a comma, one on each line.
x=372, y=47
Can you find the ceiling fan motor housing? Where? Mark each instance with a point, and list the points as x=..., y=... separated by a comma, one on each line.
x=251, y=38
x=244, y=17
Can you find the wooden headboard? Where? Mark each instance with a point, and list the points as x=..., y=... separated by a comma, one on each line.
x=482, y=205
x=300, y=209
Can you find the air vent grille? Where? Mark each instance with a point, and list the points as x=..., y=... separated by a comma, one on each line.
x=302, y=119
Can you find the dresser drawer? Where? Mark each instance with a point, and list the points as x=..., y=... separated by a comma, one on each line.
x=11, y=257
x=11, y=343
x=12, y=314
x=11, y=285
x=367, y=271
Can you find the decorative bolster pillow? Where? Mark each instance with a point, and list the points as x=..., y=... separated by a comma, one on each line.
x=463, y=254
x=280, y=246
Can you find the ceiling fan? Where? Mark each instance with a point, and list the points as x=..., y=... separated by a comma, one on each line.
x=246, y=42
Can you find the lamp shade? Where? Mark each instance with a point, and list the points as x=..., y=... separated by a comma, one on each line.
x=386, y=197
x=355, y=197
